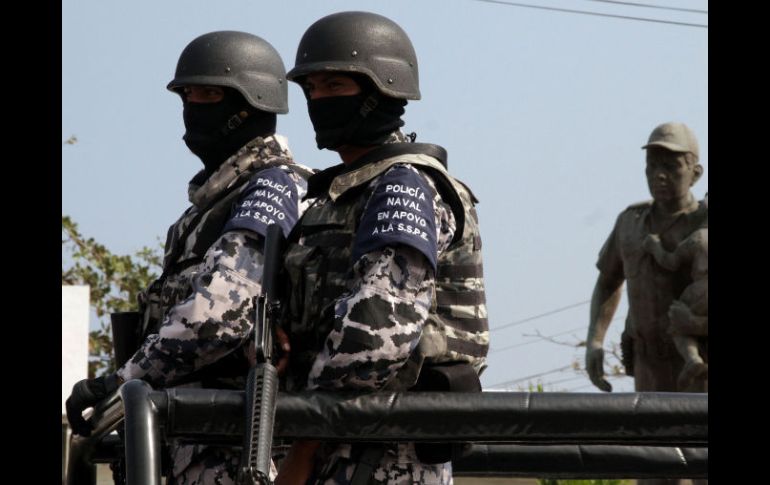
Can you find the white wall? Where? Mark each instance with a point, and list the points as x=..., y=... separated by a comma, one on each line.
x=74, y=338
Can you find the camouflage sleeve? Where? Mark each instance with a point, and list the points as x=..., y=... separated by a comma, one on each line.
x=212, y=322
x=378, y=323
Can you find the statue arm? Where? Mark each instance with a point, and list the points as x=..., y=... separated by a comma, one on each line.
x=700, y=325
x=684, y=322
x=668, y=260
x=604, y=302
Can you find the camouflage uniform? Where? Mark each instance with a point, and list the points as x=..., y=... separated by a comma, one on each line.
x=399, y=466
x=200, y=311
x=354, y=328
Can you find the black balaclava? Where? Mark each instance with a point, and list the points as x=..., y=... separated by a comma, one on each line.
x=215, y=131
x=367, y=118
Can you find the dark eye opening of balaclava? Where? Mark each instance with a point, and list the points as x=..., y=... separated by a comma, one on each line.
x=363, y=119
x=215, y=131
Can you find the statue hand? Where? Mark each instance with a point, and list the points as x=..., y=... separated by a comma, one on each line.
x=595, y=368
x=651, y=243
x=680, y=316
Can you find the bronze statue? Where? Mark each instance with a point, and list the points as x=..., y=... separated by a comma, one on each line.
x=658, y=303
x=689, y=314
x=660, y=248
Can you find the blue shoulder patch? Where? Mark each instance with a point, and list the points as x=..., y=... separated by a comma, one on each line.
x=400, y=211
x=270, y=197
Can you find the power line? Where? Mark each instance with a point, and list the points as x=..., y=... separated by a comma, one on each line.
x=550, y=383
x=597, y=14
x=647, y=5
x=509, y=347
x=553, y=371
x=536, y=340
x=520, y=379
x=529, y=319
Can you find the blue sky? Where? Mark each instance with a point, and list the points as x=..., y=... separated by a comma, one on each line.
x=543, y=114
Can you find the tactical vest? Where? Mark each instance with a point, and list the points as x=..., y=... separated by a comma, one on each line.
x=461, y=311
x=319, y=272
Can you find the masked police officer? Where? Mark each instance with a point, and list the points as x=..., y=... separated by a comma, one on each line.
x=199, y=315
x=385, y=267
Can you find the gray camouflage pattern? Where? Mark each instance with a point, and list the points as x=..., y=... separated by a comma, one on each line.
x=378, y=322
x=457, y=329
x=206, y=465
x=209, y=311
x=215, y=318
x=206, y=306
x=399, y=466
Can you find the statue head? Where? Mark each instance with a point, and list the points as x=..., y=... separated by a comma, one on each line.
x=672, y=162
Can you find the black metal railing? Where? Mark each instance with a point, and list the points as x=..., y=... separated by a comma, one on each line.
x=560, y=435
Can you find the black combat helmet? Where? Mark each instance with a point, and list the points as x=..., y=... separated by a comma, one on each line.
x=360, y=42
x=238, y=60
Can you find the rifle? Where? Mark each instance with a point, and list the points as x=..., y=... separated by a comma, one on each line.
x=262, y=384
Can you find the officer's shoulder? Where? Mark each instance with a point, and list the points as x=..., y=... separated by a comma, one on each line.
x=278, y=171
x=463, y=187
x=402, y=163
x=281, y=168
x=400, y=177
x=302, y=170
x=302, y=166
x=408, y=171
x=270, y=196
x=401, y=170
x=278, y=177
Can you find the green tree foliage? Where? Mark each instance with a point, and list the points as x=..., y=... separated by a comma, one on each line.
x=114, y=281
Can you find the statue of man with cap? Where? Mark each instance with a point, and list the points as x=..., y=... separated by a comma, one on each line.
x=649, y=351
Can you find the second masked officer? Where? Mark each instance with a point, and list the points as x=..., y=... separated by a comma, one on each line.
x=385, y=267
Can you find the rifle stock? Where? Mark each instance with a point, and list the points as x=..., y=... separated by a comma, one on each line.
x=262, y=384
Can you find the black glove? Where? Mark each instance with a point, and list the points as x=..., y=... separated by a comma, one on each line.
x=84, y=395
